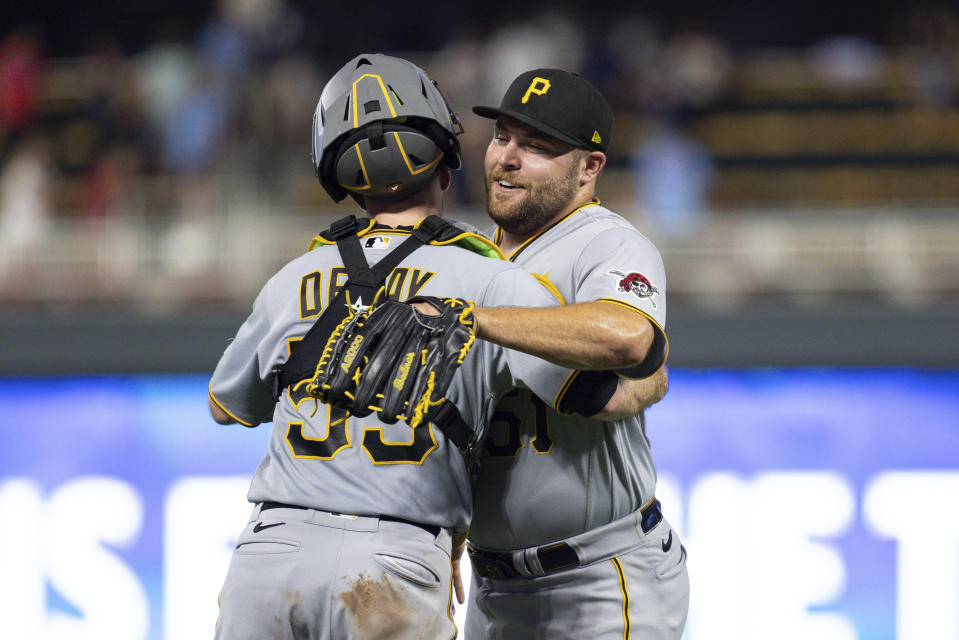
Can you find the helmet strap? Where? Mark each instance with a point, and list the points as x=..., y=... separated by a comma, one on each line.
x=376, y=135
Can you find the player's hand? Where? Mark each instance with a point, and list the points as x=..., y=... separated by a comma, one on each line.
x=632, y=396
x=457, y=574
x=425, y=308
x=428, y=309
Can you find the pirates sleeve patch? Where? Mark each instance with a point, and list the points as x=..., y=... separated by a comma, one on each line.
x=636, y=283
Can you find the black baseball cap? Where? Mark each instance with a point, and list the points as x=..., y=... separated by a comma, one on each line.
x=560, y=104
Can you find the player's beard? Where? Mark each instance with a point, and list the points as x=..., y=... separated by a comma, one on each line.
x=539, y=206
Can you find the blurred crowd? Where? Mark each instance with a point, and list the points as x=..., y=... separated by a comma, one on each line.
x=201, y=116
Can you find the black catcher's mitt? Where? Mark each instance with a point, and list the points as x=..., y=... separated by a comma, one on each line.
x=394, y=359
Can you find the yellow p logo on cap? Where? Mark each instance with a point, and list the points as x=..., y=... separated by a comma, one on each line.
x=538, y=86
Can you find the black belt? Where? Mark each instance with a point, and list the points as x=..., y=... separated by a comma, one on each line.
x=552, y=557
x=430, y=528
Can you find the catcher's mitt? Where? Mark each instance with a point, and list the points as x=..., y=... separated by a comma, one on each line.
x=394, y=359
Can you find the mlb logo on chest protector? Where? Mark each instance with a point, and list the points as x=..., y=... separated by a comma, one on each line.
x=376, y=242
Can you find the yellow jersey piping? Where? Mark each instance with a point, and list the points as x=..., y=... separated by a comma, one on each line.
x=563, y=389
x=320, y=240
x=224, y=409
x=552, y=288
x=625, y=592
x=645, y=315
x=519, y=249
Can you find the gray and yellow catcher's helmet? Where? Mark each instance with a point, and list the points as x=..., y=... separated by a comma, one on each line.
x=381, y=128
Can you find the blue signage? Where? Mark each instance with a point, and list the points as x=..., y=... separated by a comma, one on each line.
x=813, y=503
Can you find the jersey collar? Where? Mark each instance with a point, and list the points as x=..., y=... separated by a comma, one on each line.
x=471, y=241
x=498, y=236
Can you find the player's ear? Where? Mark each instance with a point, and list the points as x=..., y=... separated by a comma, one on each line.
x=445, y=177
x=593, y=163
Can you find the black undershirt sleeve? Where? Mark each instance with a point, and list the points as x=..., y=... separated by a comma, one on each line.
x=655, y=358
x=588, y=392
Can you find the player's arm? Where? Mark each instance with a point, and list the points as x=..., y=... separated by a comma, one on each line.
x=583, y=392
x=587, y=335
x=618, y=327
x=239, y=390
x=459, y=546
x=219, y=415
x=632, y=396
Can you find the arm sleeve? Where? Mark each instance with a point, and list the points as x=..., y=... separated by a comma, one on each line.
x=239, y=385
x=620, y=266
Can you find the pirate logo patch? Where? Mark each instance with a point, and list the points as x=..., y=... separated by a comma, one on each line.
x=636, y=283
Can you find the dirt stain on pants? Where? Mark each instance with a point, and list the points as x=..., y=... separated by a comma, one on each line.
x=377, y=607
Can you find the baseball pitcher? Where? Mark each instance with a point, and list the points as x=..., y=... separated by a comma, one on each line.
x=568, y=539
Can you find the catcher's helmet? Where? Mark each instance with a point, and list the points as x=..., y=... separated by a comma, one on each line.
x=381, y=128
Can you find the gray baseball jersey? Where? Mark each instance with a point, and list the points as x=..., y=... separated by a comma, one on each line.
x=545, y=476
x=319, y=458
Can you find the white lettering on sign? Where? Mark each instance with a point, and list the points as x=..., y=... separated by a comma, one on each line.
x=22, y=612
x=918, y=510
x=754, y=563
x=764, y=559
x=203, y=518
x=87, y=520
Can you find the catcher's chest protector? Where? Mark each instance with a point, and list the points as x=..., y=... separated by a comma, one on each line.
x=363, y=283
